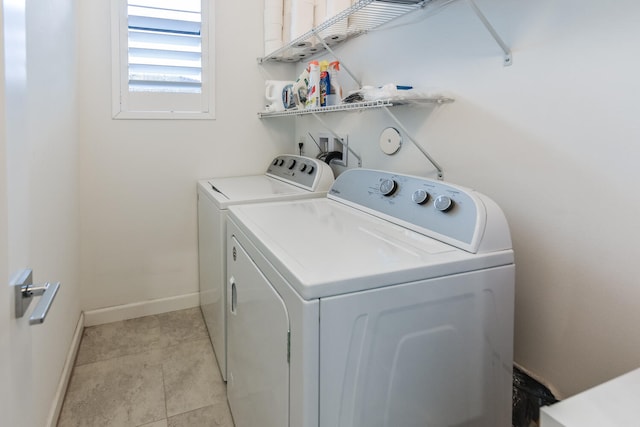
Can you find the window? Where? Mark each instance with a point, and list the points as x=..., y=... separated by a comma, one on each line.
x=162, y=62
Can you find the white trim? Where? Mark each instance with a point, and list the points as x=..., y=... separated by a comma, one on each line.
x=116, y=19
x=61, y=391
x=157, y=115
x=140, y=309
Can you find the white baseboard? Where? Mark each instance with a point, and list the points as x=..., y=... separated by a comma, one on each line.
x=140, y=309
x=61, y=391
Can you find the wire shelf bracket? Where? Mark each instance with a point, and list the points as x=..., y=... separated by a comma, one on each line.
x=508, y=58
x=424, y=152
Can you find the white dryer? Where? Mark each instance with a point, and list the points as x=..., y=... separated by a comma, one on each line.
x=287, y=177
x=387, y=303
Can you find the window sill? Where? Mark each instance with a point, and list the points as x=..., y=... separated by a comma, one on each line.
x=163, y=115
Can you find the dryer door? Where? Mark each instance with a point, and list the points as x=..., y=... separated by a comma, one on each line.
x=258, y=330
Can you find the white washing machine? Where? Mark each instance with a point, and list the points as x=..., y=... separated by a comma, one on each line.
x=387, y=303
x=287, y=177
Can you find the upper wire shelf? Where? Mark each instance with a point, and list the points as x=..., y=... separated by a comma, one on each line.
x=363, y=16
x=365, y=105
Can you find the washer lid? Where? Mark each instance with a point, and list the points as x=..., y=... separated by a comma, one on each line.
x=251, y=189
x=323, y=247
x=288, y=176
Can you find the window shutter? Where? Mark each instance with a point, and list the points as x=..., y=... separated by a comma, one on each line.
x=163, y=59
x=164, y=46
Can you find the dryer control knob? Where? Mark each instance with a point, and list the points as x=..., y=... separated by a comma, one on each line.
x=303, y=167
x=292, y=164
x=420, y=197
x=443, y=203
x=388, y=187
x=310, y=169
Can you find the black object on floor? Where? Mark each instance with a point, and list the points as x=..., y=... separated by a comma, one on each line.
x=528, y=396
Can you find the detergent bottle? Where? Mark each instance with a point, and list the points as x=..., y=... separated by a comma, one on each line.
x=313, y=92
x=334, y=95
x=300, y=88
x=325, y=83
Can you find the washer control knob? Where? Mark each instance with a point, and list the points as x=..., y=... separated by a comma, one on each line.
x=420, y=197
x=291, y=164
x=310, y=169
x=443, y=203
x=303, y=167
x=280, y=162
x=388, y=187
x=275, y=162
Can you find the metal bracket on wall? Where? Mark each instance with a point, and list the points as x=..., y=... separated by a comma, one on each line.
x=342, y=66
x=508, y=59
x=418, y=146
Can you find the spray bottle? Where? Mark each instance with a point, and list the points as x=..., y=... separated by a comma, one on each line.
x=335, y=94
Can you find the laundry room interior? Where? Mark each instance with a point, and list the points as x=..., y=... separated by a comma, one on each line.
x=539, y=116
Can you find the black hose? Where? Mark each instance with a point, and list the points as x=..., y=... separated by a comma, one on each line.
x=332, y=155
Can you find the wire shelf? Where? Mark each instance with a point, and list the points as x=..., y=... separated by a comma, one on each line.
x=363, y=16
x=356, y=106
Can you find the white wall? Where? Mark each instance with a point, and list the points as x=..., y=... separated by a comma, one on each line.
x=138, y=186
x=40, y=200
x=553, y=139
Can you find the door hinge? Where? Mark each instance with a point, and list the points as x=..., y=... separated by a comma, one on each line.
x=288, y=346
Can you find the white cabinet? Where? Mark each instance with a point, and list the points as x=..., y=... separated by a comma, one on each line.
x=612, y=404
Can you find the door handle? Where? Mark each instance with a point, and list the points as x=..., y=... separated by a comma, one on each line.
x=25, y=290
x=234, y=295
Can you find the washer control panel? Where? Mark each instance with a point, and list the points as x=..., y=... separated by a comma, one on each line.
x=445, y=211
x=299, y=170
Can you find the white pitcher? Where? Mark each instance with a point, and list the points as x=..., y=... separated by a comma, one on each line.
x=278, y=94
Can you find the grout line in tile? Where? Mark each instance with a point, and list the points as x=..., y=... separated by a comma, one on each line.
x=153, y=422
x=120, y=357
x=115, y=358
x=164, y=389
x=189, y=411
x=143, y=351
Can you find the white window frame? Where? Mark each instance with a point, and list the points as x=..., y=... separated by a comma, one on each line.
x=157, y=105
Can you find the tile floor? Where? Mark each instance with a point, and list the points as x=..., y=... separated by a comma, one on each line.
x=154, y=371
